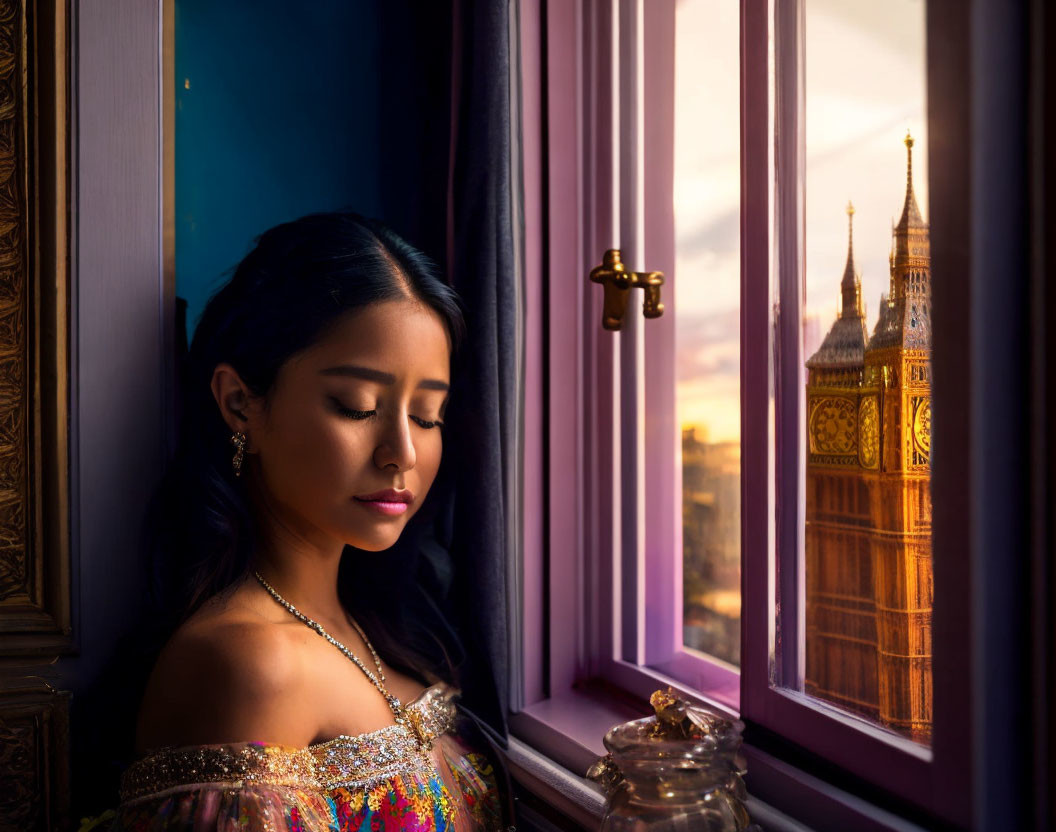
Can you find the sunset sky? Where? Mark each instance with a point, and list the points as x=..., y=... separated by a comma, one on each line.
x=865, y=88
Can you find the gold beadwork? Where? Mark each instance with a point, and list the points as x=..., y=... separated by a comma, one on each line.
x=239, y=764
x=350, y=762
x=364, y=761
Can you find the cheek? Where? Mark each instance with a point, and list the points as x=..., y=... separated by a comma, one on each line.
x=313, y=457
x=338, y=455
x=427, y=459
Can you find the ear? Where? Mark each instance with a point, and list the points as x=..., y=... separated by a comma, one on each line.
x=236, y=402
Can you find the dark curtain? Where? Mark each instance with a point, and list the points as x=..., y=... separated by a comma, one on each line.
x=480, y=426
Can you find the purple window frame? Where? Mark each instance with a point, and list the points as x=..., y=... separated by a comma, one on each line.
x=773, y=251
x=593, y=618
x=635, y=642
x=773, y=207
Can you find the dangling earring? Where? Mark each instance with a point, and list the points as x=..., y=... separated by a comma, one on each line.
x=238, y=439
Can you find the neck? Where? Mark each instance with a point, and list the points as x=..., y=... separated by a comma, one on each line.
x=301, y=565
x=309, y=584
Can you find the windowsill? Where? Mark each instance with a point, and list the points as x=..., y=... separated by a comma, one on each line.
x=583, y=802
x=556, y=740
x=573, y=796
x=569, y=728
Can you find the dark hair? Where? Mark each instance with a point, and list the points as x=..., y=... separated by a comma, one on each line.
x=298, y=279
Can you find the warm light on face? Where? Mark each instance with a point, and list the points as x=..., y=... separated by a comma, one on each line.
x=355, y=414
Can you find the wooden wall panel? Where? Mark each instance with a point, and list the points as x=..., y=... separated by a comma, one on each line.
x=35, y=569
x=34, y=759
x=34, y=470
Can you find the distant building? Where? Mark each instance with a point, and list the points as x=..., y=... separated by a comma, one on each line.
x=711, y=545
x=868, y=500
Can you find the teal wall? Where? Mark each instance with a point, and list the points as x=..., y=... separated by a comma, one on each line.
x=286, y=109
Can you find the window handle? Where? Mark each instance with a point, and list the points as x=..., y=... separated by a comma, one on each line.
x=618, y=282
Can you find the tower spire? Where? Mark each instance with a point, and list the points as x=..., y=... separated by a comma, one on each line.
x=906, y=320
x=844, y=346
x=850, y=286
x=909, y=161
x=911, y=217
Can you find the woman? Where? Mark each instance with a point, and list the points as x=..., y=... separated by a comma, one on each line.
x=315, y=393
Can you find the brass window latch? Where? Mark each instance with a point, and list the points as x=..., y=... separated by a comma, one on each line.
x=618, y=282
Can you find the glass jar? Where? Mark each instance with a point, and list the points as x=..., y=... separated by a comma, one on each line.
x=688, y=784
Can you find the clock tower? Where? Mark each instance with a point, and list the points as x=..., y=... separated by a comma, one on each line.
x=868, y=499
x=840, y=613
x=897, y=387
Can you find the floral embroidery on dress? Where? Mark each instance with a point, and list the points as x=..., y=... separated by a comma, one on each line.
x=383, y=781
x=401, y=803
x=476, y=781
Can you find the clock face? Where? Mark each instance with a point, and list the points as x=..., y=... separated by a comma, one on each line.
x=833, y=426
x=869, y=433
x=922, y=426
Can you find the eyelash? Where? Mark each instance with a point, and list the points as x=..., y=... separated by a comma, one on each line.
x=367, y=414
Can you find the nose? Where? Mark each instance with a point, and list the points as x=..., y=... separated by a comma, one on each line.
x=395, y=445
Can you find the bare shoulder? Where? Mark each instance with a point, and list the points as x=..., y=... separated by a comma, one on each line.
x=225, y=677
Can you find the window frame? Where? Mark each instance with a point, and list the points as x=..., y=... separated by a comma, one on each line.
x=570, y=571
x=665, y=655
x=606, y=201
x=862, y=751
x=773, y=472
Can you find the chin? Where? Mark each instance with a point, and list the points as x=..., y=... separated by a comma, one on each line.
x=374, y=547
x=374, y=542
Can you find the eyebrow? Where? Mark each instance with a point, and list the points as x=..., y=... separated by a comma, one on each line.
x=368, y=374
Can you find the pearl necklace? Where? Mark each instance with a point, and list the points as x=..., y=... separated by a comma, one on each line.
x=403, y=717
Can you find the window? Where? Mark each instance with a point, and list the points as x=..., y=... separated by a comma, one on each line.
x=707, y=312
x=742, y=508
x=867, y=530
x=839, y=564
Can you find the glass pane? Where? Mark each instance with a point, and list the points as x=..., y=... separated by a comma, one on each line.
x=867, y=333
x=707, y=263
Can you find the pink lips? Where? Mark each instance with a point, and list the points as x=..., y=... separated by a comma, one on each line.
x=389, y=502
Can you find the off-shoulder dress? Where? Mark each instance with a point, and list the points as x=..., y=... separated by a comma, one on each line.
x=387, y=780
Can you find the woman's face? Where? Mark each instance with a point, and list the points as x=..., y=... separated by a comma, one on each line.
x=348, y=443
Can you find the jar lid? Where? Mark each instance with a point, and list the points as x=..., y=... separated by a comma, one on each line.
x=678, y=729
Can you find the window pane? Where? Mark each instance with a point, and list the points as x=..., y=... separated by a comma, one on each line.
x=867, y=333
x=707, y=263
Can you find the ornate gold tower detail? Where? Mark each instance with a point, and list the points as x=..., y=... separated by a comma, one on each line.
x=841, y=612
x=868, y=534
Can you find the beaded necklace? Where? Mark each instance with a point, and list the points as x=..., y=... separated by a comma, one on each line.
x=402, y=715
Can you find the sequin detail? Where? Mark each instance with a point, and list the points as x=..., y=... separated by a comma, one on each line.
x=234, y=764
x=381, y=781
x=362, y=762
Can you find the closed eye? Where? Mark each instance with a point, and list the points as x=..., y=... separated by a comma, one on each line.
x=349, y=413
x=425, y=423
